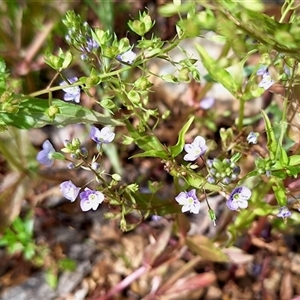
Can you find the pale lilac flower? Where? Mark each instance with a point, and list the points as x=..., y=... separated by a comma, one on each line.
x=266, y=82
x=128, y=57
x=195, y=149
x=69, y=190
x=284, y=212
x=207, y=102
x=262, y=71
x=287, y=70
x=91, y=45
x=95, y=166
x=103, y=136
x=71, y=93
x=44, y=157
x=71, y=166
x=268, y=173
x=156, y=218
x=189, y=201
x=239, y=198
x=90, y=199
x=252, y=137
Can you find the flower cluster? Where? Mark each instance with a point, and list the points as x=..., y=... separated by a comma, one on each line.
x=263, y=166
x=89, y=199
x=90, y=46
x=224, y=171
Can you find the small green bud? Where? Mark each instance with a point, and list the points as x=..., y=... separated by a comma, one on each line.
x=124, y=45
x=76, y=143
x=110, y=52
x=58, y=155
x=9, y=107
x=6, y=96
x=184, y=75
x=52, y=111
x=212, y=216
x=142, y=83
x=102, y=37
x=134, y=97
x=92, y=81
x=116, y=177
x=137, y=26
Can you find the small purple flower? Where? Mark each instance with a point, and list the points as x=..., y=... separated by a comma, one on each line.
x=266, y=82
x=189, y=201
x=262, y=71
x=156, y=218
x=226, y=180
x=95, y=166
x=128, y=57
x=69, y=190
x=195, y=149
x=207, y=102
x=284, y=212
x=44, y=157
x=211, y=180
x=71, y=93
x=239, y=198
x=90, y=199
x=252, y=137
x=91, y=45
x=71, y=166
x=103, y=136
x=268, y=173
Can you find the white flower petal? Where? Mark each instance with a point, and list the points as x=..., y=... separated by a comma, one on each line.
x=243, y=204
x=181, y=198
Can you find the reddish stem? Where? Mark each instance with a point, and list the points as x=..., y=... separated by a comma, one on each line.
x=124, y=283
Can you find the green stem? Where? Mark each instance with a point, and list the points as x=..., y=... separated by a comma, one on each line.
x=57, y=88
x=288, y=8
x=241, y=114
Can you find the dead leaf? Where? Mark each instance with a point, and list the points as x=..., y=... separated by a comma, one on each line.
x=204, y=247
x=153, y=251
x=12, y=192
x=238, y=256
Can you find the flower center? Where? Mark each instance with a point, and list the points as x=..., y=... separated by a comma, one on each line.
x=190, y=200
x=92, y=197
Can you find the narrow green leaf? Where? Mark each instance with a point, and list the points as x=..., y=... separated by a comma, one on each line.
x=177, y=149
x=279, y=192
x=153, y=153
x=144, y=140
x=294, y=160
x=31, y=114
x=284, y=159
x=272, y=143
x=216, y=72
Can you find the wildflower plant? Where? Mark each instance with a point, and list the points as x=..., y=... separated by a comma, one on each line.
x=107, y=61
